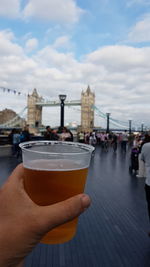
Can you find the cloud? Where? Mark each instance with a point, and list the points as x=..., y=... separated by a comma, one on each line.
x=10, y=8
x=130, y=3
x=141, y=31
x=120, y=58
x=64, y=11
x=31, y=44
x=50, y=57
x=8, y=46
x=62, y=41
x=119, y=76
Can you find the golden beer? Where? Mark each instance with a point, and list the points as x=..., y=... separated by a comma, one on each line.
x=51, y=181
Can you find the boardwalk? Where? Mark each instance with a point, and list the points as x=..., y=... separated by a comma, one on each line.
x=113, y=232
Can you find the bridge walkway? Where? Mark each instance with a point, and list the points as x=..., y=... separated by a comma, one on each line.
x=113, y=231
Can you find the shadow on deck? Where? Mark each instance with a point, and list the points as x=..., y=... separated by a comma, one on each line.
x=113, y=231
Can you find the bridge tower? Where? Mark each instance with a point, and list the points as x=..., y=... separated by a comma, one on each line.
x=87, y=111
x=34, y=115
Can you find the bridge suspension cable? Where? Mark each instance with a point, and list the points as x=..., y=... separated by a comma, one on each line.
x=113, y=121
x=124, y=124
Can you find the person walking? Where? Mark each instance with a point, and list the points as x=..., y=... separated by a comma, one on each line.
x=145, y=156
x=124, y=141
x=25, y=135
x=15, y=143
x=141, y=170
x=81, y=137
x=114, y=142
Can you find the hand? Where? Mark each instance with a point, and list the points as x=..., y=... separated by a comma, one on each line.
x=23, y=223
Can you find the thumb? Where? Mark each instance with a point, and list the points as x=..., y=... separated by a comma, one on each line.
x=61, y=212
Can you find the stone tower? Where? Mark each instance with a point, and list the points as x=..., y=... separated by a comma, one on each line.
x=87, y=110
x=34, y=115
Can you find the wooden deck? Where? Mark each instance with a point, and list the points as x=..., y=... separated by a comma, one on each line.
x=113, y=231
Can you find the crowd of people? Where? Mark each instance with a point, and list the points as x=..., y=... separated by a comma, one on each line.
x=18, y=136
x=140, y=162
x=138, y=147
x=106, y=140
x=61, y=134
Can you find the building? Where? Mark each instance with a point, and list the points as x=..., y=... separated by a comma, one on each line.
x=10, y=118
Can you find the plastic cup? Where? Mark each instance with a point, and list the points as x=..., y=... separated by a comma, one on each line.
x=55, y=171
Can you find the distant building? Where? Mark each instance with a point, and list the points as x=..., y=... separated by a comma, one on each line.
x=10, y=118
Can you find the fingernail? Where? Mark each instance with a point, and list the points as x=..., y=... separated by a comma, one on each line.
x=85, y=201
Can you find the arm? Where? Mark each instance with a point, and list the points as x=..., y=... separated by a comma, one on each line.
x=142, y=154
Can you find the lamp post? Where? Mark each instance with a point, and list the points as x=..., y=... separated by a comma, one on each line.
x=130, y=122
x=108, y=115
x=142, y=126
x=62, y=104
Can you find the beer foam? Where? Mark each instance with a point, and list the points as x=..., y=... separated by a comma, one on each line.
x=53, y=165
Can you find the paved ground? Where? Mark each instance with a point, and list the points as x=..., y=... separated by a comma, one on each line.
x=113, y=232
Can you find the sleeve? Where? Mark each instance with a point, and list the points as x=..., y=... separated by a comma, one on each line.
x=142, y=154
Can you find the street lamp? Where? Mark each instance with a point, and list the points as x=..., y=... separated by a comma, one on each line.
x=62, y=104
x=130, y=121
x=108, y=115
x=142, y=127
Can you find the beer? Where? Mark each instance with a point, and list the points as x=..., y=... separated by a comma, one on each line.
x=50, y=181
x=55, y=171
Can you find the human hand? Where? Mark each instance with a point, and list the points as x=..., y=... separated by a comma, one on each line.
x=23, y=223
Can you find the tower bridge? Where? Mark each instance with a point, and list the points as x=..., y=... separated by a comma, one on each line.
x=35, y=103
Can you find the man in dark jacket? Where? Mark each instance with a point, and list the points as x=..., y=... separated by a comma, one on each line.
x=25, y=135
x=50, y=134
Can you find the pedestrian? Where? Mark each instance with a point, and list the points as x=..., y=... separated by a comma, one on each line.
x=15, y=143
x=98, y=136
x=48, y=133
x=124, y=141
x=145, y=156
x=114, y=140
x=141, y=165
x=87, y=135
x=10, y=136
x=25, y=135
x=81, y=137
x=54, y=135
x=65, y=135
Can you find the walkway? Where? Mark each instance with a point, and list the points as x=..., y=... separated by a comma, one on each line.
x=113, y=231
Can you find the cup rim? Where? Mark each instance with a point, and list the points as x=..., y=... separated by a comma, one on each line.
x=87, y=148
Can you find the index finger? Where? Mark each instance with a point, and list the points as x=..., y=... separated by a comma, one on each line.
x=17, y=175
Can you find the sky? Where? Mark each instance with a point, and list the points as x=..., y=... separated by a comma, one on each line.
x=62, y=46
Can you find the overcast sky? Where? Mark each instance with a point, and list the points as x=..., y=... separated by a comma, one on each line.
x=63, y=46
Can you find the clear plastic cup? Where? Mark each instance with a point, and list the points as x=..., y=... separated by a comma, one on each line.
x=55, y=171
